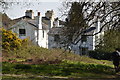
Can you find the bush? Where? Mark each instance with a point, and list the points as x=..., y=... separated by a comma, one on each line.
x=101, y=55
x=10, y=41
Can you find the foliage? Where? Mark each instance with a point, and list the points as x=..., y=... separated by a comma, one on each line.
x=101, y=55
x=110, y=41
x=74, y=20
x=107, y=45
x=43, y=55
x=87, y=14
x=10, y=41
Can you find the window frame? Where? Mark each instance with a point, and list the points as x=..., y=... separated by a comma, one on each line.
x=22, y=32
x=56, y=37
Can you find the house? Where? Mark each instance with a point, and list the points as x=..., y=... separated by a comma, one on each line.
x=87, y=41
x=36, y=28
x=47, y=31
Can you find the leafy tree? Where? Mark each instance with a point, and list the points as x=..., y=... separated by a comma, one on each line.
x=110, y=41
x=107, y=45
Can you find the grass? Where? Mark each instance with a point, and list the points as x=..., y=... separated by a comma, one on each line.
x=30, y=51
x=65, y=69
x=53, y=63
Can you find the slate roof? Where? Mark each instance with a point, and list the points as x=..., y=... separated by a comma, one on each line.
x=32, y=22
x=55, y=30
x=45, y=18
x=89, y=29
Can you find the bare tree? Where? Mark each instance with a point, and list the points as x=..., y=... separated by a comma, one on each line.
x=82, y=15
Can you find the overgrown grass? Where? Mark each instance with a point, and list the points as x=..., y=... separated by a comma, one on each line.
x=69, y=64
x=30, y=51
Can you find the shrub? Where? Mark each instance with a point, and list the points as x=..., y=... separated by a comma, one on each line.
x=10, y=41
x=101, y=55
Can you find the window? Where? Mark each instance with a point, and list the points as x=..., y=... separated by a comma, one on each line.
x=22, y=32
x=56, y=37
x=84, y=51
x=83, y=38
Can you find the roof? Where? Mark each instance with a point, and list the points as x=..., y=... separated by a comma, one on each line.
x=32, y=22
x=89, y=29
x=45, y=18
x=61, y=22
x=56, y=30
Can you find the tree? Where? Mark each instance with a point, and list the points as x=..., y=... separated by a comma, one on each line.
x=107, y=45
x=74, y=21
x=110, y=41
x=82, y=15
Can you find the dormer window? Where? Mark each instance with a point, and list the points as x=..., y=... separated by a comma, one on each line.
x=22, y=32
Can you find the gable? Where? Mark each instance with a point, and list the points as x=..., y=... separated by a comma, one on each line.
x=21, y=24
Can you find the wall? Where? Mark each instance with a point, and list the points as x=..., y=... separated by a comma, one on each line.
x=43, y=41
x=30, y=31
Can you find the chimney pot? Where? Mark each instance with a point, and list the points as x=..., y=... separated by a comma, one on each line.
x=38, y=13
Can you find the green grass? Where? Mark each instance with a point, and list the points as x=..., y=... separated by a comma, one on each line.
x=66, y=68
x=70, y=65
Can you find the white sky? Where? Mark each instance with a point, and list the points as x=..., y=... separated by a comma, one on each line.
x=17, y=10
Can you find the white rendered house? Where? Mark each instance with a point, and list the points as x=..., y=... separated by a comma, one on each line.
x=35, y=28
x=47, y=33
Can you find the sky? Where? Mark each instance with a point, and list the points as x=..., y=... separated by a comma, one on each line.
x=18, y=10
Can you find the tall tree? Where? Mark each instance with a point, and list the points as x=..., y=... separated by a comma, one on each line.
x=74, y=21
x=87, y=14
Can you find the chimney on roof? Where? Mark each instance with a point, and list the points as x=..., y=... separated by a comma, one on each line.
x=50, y=14
x=39, y=21
x=38, y=13
x=29, y=13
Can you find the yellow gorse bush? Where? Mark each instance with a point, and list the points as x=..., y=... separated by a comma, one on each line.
x=10, y=40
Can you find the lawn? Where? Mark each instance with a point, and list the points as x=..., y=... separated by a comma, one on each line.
x=35, y=62
x=64, y=69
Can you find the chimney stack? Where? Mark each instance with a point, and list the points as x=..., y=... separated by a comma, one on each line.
x=29, y=13
x=39, y=20
x=38, y=13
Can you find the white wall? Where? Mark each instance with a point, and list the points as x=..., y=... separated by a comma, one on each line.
x=51, y=42
x=91, y=42
x=30, y=31
x=43, y=41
